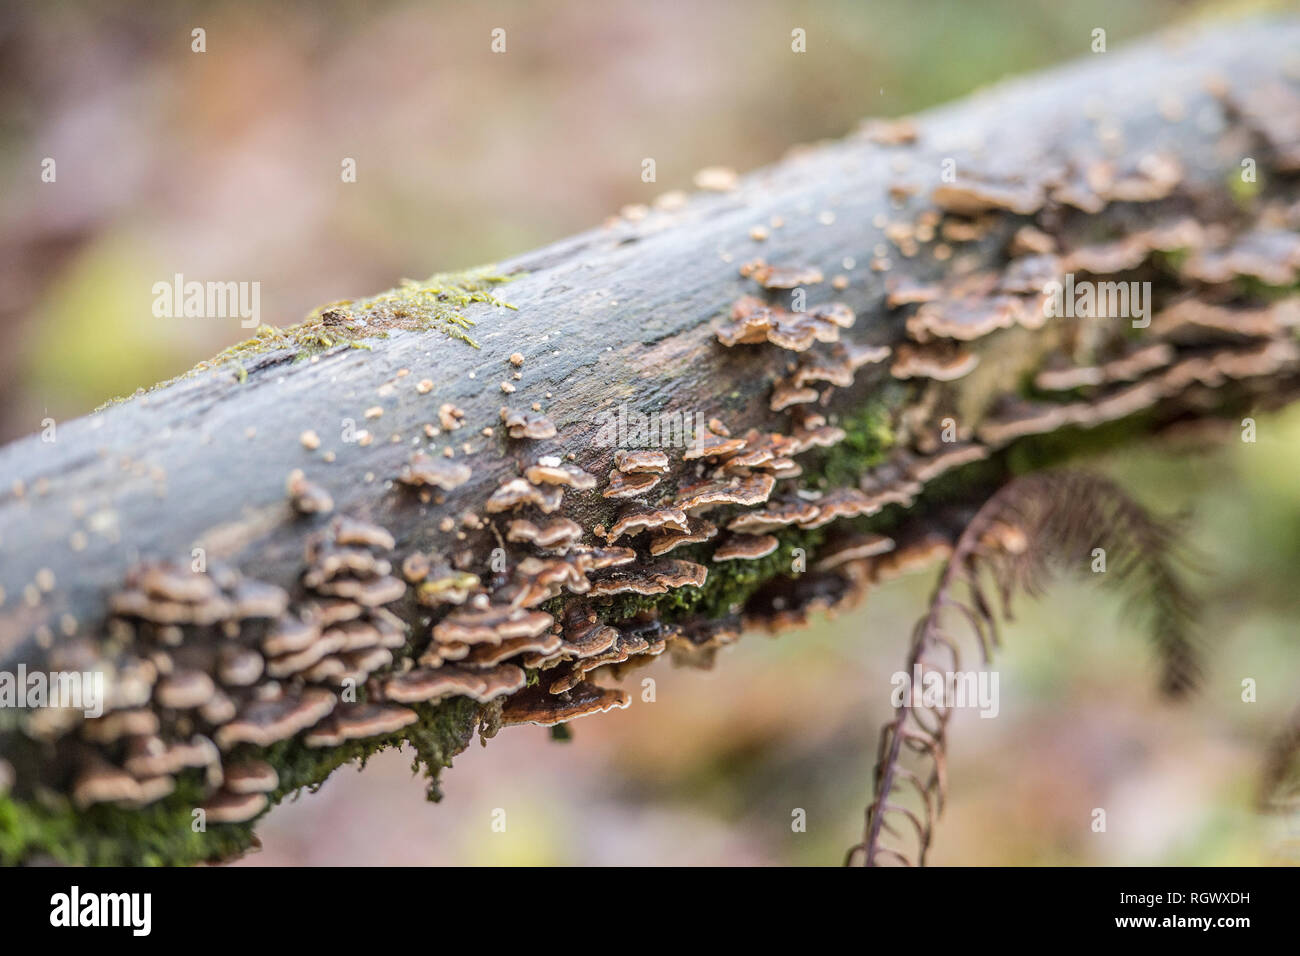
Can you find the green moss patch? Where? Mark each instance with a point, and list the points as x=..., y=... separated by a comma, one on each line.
x=162, y=834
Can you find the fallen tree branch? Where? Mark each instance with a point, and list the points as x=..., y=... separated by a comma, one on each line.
x=306, y=550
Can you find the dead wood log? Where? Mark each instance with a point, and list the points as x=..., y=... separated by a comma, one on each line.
x=306, y=550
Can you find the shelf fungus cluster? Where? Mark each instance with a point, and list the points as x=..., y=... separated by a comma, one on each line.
x=519, y=584
x=203, y=668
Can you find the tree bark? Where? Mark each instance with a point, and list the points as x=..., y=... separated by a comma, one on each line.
x=1128, y=166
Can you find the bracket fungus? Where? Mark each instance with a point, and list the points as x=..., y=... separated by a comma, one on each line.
x=538, y=707
x=456, y=619
x=528, y=424
x=520, y=492
x=746, y=547
x=425, y=471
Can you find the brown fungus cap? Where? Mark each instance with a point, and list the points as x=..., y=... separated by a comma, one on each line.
x=120, y=723
x=492, y=625
x=753, y=321
x=797, y=331
x=535, y=706
x=1119, y=255
x=101, y=782
x=851, y=547
x=183, y=690
x=330, y=563
x=964, y=317
x=969, y=196
x=359, y=721
x=421, y=685
x=947, y=458
x=624, y=485
x=761, y=448
x=218, y=709
x=785, y=277
x=1152, y=177
x=750, y=320
x=356, y=635
x=424, y=470
x=307, y=497
x=1030, y=240
x=776, y=514
x=352, y=531
x=665, y=541
x=597, y=558
x=527, y=424
x=290, y=634
x=858, y=354
x=569, y=475
x=836, y=370
x=369, y=594
x=657, y=577
x=169, y=582
x=250, y=776
x=265, y=722
x=299, y=661
x=647, y=461
x=820, y=436
x=329, y=611
x=1016, y=419
x=367, y=660
x=746, y=547
x=786, y=394
x=520, y=493
x=904, y=290
x=227, y=807
x=745, y=491
x=712, y=444
x=588, y=638
x=138, y=604
x=539, y=579
x=940, y=362
x=153, y=757
x=1128, y=367
x=1194, y=321
x=626, y=647
x=840, y=503
x=258, y=599
x=487, y=655
x=559, y=534
x=698, y=642
x=328, y=670
x=1270, y=255
x=636, y=521
x=918, y=551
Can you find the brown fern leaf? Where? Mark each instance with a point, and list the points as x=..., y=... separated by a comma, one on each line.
x=1280, y=789
x=1031, y=528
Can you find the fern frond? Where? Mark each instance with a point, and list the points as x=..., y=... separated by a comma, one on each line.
x=1031, y=529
